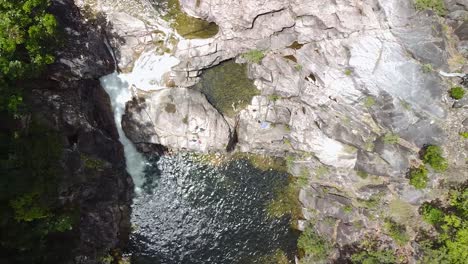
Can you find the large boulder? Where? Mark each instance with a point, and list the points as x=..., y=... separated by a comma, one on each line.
x=177, y=118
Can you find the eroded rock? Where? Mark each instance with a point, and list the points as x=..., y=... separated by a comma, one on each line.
x=177, y=118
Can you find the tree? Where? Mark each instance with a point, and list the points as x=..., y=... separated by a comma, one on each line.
x=26, y=34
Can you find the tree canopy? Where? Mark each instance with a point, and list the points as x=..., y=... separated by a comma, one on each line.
x=27, y=31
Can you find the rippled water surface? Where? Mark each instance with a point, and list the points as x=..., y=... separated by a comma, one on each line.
x=191, y=212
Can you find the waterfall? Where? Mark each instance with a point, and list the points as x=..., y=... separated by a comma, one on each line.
x=146, y=75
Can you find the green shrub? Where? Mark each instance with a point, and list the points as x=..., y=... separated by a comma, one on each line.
x=396, y=231
x=254, y=56
x=464, y=135
x=374, y=257
x=457, y=93
x=313, y=245
x=437, y=6
x=433, y=156
x=431, y=214
x=27, y=37
x=418, y=177
x=348, y=72
x=451, y=222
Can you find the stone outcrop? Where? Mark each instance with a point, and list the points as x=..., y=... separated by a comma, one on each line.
x=179, y=119
x=70, y=100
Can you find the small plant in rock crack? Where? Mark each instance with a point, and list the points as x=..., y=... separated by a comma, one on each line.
x=457, y=92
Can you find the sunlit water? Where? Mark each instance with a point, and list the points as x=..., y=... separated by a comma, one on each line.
x=191, y=212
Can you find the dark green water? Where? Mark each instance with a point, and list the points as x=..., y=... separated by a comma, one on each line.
x=193, y=213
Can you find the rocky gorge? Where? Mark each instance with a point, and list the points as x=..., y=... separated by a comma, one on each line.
x=347, y=95
x=348, y=91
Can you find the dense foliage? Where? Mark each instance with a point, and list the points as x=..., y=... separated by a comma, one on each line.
x=450, y=244
x=26, y=34
x=433, y=155
x=374, y=257
x=30, y=212
x=457, y=92
x=418, y=177
x=315, y=247
x=396, y=231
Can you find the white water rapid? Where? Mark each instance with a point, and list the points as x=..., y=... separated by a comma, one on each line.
x=146, y=75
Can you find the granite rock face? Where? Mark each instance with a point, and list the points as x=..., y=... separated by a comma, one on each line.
x=69, y=99
x=350, y=89
x=178, y=119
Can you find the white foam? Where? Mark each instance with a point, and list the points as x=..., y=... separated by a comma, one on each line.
x=149, y=69
x=146, y=75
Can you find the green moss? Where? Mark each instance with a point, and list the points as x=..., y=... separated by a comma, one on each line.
x=227, y=87
x=391, y=138
x=254, y=56
x=315, y=247
x=427, y=68
x=437, y=6
x=369, y=101
x=321, y=171
x=418, y=177
x=374, y=257
x=290, y=161
x=27, y=208
x=92, y=163
x=457, y=93
x=298, y=67
x=185, y=120
x=286, y=201
x=107, y=259
x=362, y=174
x=373, y=201
x=187, y=26
x=278, y=257
x=433, y=156
x=348, y=72
x=303, y=178
x=396, y=231
x=274, y=97
x=263, y=162
x=464, y=135
x=348, y=208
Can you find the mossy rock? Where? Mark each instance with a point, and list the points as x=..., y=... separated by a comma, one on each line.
x=187, y=26
x=227, y=87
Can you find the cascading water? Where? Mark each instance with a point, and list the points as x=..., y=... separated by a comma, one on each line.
x=146, y=75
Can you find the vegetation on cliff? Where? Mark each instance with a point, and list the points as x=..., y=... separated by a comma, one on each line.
x=29, y=153
x=27, y=34
x=449, y=241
